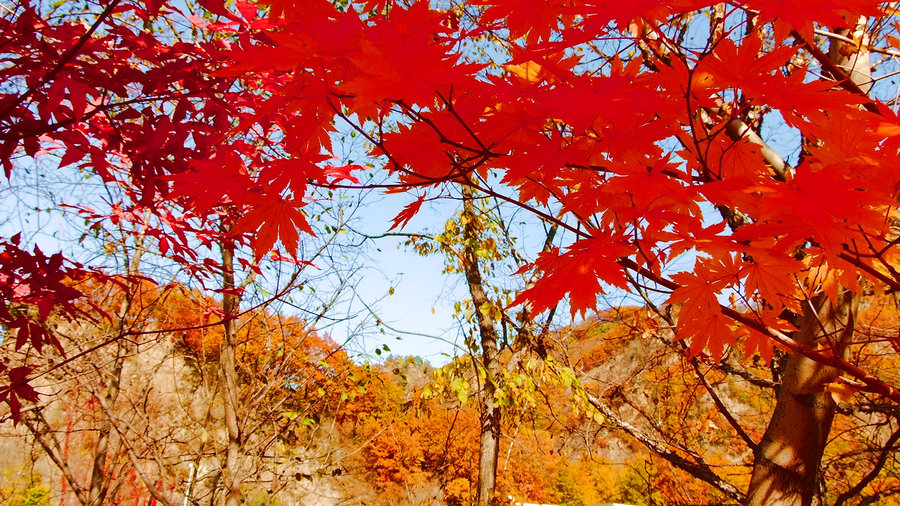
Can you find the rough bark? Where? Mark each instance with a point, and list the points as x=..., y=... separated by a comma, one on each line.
x=490, y=412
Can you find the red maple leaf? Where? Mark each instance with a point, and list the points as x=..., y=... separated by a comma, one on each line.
x=211, y=184
x=17, y=388
x=700, y=320
x=409, y=210
x=577, y=272
x=273, y=219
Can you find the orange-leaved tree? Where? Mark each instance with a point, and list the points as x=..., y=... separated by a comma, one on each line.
x=160, y=437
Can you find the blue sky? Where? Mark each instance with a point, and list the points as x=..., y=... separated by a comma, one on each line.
x=418, y=313
x=407, y=292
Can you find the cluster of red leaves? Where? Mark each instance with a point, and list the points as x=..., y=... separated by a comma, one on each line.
x=114, y=93
x=147, y=112
x=221, y=138
x=31, y=280
x=597, y=145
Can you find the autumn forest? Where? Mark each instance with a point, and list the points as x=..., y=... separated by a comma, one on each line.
x=667, y=232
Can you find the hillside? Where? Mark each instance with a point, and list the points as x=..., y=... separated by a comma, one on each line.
x=610, y=416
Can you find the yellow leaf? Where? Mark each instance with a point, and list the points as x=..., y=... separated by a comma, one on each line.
x=528, y=71
x=841, y=392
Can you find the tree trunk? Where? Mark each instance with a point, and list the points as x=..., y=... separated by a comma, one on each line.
x=490, y=413
x=99, y=481
x=786, y=464
x=228, y=380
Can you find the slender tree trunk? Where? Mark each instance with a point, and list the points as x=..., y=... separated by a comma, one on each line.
x=99, y=481
x=786, y=464
x=490, y=413
x=43, y=434
x=228, y=380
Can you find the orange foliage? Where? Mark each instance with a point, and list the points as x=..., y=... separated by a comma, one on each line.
x=411, y=449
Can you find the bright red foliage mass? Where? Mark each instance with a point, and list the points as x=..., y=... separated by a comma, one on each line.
x=625, y=155
x=628, y=156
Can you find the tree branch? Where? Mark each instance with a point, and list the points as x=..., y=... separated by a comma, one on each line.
x=699, y=470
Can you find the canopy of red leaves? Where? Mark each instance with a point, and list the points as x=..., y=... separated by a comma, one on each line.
x=221, y=137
